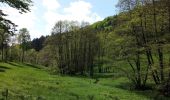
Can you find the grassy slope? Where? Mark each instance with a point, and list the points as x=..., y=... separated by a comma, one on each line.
x=24, y=81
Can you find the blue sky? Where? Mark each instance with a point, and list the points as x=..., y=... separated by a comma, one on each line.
x=45, y=13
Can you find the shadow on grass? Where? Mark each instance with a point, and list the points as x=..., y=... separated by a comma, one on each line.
x=95, y=76
x=148, y=92
x=31, y=65
x=3, y=68
x=129, y=87
x=14, y=64
x=104, y=75
x=24, y=64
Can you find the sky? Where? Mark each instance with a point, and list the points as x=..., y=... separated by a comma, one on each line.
x=45, y=13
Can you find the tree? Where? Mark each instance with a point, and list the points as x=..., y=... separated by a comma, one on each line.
x=147, y=22
x=74, y=47
x=38, y=43
x=23, y=39
x=22, y=6
x=7, y=28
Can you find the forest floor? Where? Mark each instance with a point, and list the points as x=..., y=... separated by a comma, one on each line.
x=28, y=82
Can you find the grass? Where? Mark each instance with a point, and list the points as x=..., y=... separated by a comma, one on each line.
x=27, y=82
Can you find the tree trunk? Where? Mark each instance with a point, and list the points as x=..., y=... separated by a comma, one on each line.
x=169, y=15
x=161, y=63
x=154, y=21
x=6, y=54
x=2, y=48
x=23, y=52
x=2, y=51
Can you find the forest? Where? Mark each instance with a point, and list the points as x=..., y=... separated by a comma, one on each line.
x=123, y=57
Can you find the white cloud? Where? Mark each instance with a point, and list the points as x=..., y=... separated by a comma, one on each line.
x=78, y=10
x=25, y=20
x=51, y=4
x=45, y=13
x=81, y=11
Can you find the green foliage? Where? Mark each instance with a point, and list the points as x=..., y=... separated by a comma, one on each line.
x=15, y=53
x=136, y=41
x=73, y=47
x=31, y=56
x=23, y=39
x=46, y=57
x=21, y=5
x=108, y=24
x=38, y=43
x=6, y=25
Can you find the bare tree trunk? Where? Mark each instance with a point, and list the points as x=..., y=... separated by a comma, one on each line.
x=6, y=53
x=159, y=49
x=154, y=21
x=2, y=51
x=23, y=53
x=160, y=52
x=169, y=15
x=2, y=46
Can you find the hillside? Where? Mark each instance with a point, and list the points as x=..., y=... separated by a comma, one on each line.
x=26, y=82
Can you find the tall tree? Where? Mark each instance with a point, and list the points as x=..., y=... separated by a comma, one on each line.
x=38, y=43
x=23, y=39
x=21, y=5
x=7, y=28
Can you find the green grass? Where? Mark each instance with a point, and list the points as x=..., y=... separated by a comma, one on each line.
x=26, y=82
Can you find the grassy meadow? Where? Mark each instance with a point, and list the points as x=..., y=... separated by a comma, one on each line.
x=28, y=82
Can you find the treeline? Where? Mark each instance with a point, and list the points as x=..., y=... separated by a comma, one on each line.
x=74, y=47
x=71, y=48
x=7, y=27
